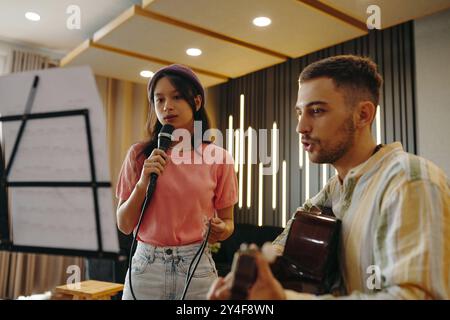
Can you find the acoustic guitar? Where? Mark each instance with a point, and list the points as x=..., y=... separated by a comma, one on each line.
x=308, y=263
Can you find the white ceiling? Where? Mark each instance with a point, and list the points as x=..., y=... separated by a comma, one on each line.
x=51, y=32
x=119, y=38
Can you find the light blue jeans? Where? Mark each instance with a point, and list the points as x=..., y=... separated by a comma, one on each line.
x=159, y=273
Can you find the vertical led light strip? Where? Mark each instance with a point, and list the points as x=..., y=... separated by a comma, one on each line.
x=300, y=152
x=324, y=174
x=260, y=194
x=249, y=168
x=306, y=176
x=230, y=135
x=274, y=165
x=241, y=151
x=378, y=125
x=283, y=206
x=236, y=153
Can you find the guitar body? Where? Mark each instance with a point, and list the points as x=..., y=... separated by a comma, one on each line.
x=309, y=262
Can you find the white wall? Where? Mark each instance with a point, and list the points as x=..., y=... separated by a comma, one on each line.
x=432, y=41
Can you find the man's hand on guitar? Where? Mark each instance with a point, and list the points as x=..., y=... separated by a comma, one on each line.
x=221, y=288
x=266, y=287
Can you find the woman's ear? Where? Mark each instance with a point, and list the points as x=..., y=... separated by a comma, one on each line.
x=198, y=102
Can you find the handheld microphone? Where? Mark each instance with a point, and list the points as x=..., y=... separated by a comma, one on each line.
x=164, y=141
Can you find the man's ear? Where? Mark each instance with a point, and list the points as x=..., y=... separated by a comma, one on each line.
x=198, y=102
x=365, y=113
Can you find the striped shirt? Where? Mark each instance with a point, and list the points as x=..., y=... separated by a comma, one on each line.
x=395, y=238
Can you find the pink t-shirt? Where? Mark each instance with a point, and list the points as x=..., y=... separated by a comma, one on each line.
x=184, y=195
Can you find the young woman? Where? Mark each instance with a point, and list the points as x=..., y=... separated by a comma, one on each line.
x=187, y=194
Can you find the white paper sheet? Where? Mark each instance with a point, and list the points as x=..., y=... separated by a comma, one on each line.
x=56, y=149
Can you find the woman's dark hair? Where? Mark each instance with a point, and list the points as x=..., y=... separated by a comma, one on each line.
x=188, y=91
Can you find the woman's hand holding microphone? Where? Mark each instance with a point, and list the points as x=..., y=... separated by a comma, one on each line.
x=155, y=163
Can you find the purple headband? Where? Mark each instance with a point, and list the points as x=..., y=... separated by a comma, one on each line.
x=182, y=71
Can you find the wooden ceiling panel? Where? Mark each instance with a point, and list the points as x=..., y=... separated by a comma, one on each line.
x=116, y=65
x=159, y=32
x=297, y=28
x=146, y=36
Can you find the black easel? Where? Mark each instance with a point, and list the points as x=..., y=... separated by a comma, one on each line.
x=6, y=242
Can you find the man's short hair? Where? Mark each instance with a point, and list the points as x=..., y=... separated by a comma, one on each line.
x=358, y=76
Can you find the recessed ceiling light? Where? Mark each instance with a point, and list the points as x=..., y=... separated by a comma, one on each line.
x=33, y=16
x=262, y=21
x=147, y=74
x=193, y=52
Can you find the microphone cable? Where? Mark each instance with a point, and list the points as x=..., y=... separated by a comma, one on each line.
x=148, y=196
x=200, y=251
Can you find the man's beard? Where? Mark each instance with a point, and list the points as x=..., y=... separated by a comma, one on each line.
x=331, y=152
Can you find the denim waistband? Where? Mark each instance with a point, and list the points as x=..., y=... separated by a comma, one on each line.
x=171, y=252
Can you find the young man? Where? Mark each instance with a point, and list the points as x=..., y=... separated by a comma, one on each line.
x=394, y=206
